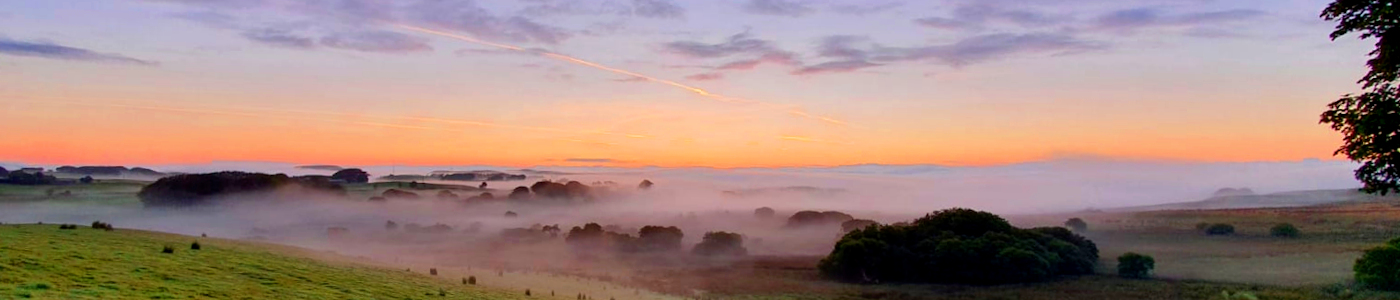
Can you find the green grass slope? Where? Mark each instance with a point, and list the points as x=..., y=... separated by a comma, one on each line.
x=45, y=262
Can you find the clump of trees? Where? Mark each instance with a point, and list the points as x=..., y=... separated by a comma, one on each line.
x=102, y=225
x=1220, y=229
x=645, y=185
x=572, y=190
x=650, y=239
x=67, y=226
x=1379, y=267
x=1284, y=230
x=817, y=218
x=399, y=194
x=1133, y=265
x=659, y=239
x=167, y=249
x=29, y=178
x=351, y=176
x=197, y=189
x=519, y=193
x=195, y=245
x=764, y=212
x=851, y=225
x=1077, y=224
x=720, y=243
x=959, y=246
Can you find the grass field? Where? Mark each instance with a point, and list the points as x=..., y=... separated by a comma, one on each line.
x=45, y=262
x=102, y=192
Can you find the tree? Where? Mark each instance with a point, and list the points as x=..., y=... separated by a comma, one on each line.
x=645, y=185
x=1370, y=122
x=958, y=246
x=1133, y=265
x=519, y=193
x=351, y=176
x=659, y=239
x=764, y=212
x=1379, y=267
x=720, y=243
x=1077, y=224
x=1284, y=230
x=1220, y=229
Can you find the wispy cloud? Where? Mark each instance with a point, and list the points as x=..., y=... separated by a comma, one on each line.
x=55, y=51
x=377, y=41
x=786, y=8
x=279, y=38
x=864, y=9
x=705, y=76
x=1133, y=20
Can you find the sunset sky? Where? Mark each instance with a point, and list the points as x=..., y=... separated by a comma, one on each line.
x=735, y=83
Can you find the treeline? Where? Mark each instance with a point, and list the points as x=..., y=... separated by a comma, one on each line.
x=959, y=246
x=197, y=189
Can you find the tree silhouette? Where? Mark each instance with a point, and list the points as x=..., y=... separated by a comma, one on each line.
x=351, y=176
x=1370, y=121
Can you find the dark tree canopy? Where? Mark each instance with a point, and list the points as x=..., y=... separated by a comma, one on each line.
x=1077, y=224
x=1379, y=267
x=720, y=243
x=1220, y=229
x=764, y=212
x=1133, y=265
x=1370, y=122
x=195, y=189
x=817, y=218
x=1284, y=230
x=646, y=184
x=851, y=225
x=351, y=176
x=519, y=193
x=4, y=172
x=659, y=239
x=959, y=246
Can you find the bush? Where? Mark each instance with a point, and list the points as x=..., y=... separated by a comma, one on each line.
x=1133, y=265
x=167, y=249
x=1077, y=224
x=1284, y=230
x=764, y=212
x=471, y=280
x=1220, y=229
x=721, y=244
x=959, y=246
x=351, y=176
x=432, y=271
x=67, y=226
x=197, y=189
x=1379, y=267
x=101, y=225
x=194, y=246
x=659, y=239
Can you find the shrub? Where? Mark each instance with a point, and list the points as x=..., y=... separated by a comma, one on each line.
x=1133, y=265
x=1220, y=229
x=1379, y=267
x=1077, y=224
x=67, y=226
x=1284, y=230
x=101, y=225
x=194, y=246
x=351, y=176
x=958, y=246
x=197, y=189
x=764, y=212
x=721, y=244
x=659, y=239
x=527, y=292
x=167, y=249
x=471, y=280
x=432, y=271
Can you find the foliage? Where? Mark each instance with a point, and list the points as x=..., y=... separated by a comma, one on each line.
x=67, y=226
x=815, y=218
x=1284, y=230
x=519, y=193
x=958, y=246
x=1133, y=265
x=1077, y=224
x=1368, y=121
x=27, y=178
x=197, y=189
x=764, y=212
x=1220, y=229
x=848, y=226
x=195, y=246
x=167, y=249
x=1379, y=267
x=659, y=239
x=720, y=243
x=101, y=225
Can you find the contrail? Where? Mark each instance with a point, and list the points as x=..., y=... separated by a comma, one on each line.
x=578, y=61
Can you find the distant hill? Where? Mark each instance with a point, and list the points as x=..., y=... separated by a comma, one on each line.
x=1284, y=199
x=321, y=167
x=113, y=171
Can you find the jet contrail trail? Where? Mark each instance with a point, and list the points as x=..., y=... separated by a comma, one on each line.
x=578, y=61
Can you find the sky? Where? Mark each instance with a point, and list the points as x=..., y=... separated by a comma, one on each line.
x=734, y=83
